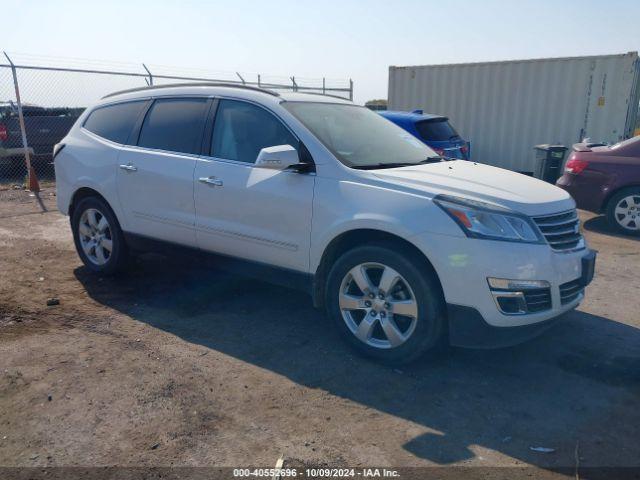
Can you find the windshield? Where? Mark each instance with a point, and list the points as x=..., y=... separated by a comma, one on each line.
x=358, y=137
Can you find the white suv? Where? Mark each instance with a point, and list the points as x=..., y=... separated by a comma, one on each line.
x=404, y=249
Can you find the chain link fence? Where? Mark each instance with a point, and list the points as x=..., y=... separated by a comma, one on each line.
x=55, y=91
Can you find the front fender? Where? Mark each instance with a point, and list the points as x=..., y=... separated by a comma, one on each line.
x=342, y=206
x=364, y=222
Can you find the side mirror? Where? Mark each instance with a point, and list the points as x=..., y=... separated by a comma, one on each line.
x=279, y=157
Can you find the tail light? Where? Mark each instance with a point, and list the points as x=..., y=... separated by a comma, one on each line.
x=465, y=150
x=576, y=166
x=3, y=132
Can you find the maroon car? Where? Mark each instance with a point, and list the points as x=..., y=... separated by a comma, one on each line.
x=606, y=179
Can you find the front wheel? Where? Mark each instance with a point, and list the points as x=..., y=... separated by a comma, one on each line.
x=623, y=211
x=98, y=237
x=384, y=305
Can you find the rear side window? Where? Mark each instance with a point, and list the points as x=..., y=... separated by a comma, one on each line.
x=174, y=124
x=114, y=122
x=439, y=130
x=241, y=130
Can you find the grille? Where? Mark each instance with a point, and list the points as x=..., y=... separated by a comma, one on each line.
x=570, y=291
x=561, y=230
x=538, y=299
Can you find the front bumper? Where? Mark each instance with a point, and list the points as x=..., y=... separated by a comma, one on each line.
x=468, y=329
x=463, y=265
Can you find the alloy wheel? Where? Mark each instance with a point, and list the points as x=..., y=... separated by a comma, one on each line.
x=627, y=212
x=95, y=237
x=378, y=305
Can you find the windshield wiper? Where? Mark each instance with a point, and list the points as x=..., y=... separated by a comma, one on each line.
x=376, y=166
x=433, y=159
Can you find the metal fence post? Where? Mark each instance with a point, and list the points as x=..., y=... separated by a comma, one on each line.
x=240, y=77
x=23, y=130
x=258, y=80
x=324, y=86
x=150, y=81
x=351, y=90
x=295, y=85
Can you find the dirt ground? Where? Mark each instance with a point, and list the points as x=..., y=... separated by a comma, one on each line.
x=180, y=364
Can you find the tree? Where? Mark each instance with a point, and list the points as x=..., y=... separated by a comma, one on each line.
x=378, y=104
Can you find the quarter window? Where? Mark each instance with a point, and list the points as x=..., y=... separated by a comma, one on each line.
x=114, y=122
x=174, y=124
x=241, y=130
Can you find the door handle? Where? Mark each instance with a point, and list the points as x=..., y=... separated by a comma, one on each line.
x=129, y=168
x=216, y=182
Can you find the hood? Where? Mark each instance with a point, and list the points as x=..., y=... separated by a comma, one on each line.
x=481, y=182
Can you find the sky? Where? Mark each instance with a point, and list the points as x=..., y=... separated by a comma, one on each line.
x=355, y=39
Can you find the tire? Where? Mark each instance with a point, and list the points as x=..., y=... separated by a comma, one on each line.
x=93, y=239
x=417, y=330
x=623, y=211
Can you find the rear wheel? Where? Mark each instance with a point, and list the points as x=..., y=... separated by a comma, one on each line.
x=384, y=305
x=623, y=211
x=98, y=237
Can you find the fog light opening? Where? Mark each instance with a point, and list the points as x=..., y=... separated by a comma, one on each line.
x=511, y=303
x=519, y=297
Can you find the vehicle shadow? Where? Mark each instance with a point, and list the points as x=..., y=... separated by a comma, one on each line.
x=578, y=382
x=599, y=224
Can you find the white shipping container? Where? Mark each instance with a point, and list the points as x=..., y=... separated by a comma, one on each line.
x=506, y=108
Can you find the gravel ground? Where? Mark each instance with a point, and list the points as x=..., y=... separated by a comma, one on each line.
x=176, y=364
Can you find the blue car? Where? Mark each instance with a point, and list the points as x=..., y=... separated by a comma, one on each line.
x=434, y=130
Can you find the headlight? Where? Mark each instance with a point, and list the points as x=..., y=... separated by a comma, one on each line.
x=481, y=220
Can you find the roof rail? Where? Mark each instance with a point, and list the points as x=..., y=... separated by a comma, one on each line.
x=193, y=84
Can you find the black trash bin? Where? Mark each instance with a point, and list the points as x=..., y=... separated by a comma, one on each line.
x=549, y=161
